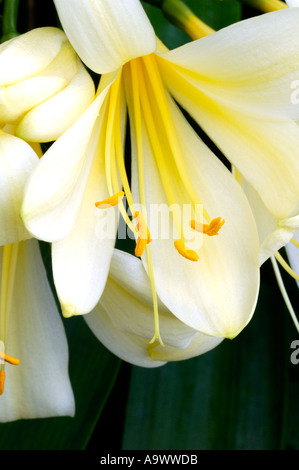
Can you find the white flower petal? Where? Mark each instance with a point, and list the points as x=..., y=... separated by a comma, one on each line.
x=200, y=344
x=274, y=233
x=217, y=294
x=128, y=292
x=128, y=347
x=292, y=3
x=106, y=33
x=247, y=56
x=17, y=160
x=55, y=189
x=81, y=260
x=39, y=387
x=239, y=85
x=29, y=53
x=49, y=120
x=18, y=98
x=123, y=320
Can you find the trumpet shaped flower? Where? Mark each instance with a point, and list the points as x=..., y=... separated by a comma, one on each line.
x=204, y=268
x=44, y=86
x=34, y=381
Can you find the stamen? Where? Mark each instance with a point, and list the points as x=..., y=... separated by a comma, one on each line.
x=144, y=236
x=286, y=266
x=284, y=293
x=11, y=360
x=119, y=168
x=162, y=103
x=110, y=129
x=2, y=380
x=294, y=242
x=210, y=229
x=185, y=251
x=110, y=201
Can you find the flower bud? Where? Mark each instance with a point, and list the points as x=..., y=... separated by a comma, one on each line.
x=44, y=87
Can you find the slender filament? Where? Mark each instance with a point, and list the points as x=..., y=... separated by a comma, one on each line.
x=286, y=266
x=284, y=293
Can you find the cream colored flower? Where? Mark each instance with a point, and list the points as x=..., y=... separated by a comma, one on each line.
x=34, y=381
x=37, y=384
x=211, y=288
x=43, y=85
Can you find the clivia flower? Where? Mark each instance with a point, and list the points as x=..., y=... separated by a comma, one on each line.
x=241, y=100
x=34, y=381
x=212, y=289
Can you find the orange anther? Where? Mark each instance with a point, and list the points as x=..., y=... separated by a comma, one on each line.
x=144, y=236
x=185, y=251
x=209, y=229
x=9, y=359
x=2, y=380
x=110, y=201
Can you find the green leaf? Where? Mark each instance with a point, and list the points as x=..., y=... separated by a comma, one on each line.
x=240, y=396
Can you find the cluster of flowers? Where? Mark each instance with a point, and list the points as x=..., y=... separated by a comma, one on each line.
x=177, y=297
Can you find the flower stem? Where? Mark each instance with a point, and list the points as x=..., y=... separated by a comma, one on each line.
x=266, y=5
x=10, y=18
x=178, y=13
